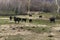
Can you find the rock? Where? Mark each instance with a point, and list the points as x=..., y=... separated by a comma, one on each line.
x=50, y=36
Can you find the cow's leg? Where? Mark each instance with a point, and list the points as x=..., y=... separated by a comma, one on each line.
x=54, y=21
x=15, y=21
x=25, y=20
x=18, y=21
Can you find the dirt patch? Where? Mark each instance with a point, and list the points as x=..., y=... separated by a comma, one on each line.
x=15, y=29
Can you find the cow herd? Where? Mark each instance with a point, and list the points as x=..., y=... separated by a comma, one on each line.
x=17, y=19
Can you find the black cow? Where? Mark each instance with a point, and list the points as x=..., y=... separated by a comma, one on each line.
x=10, y=18
x=30, y=20
x=16, y=19
x=52, y=19
x=24, y=19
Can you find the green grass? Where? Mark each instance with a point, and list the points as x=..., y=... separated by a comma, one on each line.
x=5, y=21
x=37, y=21
x=38, y=29
x=45, y=22
x=14, y=37
x=27, y=37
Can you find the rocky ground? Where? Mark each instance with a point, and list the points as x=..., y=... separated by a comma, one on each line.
x=13, y=29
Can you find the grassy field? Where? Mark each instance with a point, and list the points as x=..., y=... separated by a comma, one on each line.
x=26, y=37
x=5, y=21
x=38, y=29
x=30, y=32
x=35, y=21
x=46, y=22
x=15, y=37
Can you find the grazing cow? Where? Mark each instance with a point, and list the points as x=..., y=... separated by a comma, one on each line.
x=10, y=18
x=24, y=19
x=40, y=16
x=16, y=19
x=30, y=20
x=52, y=19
